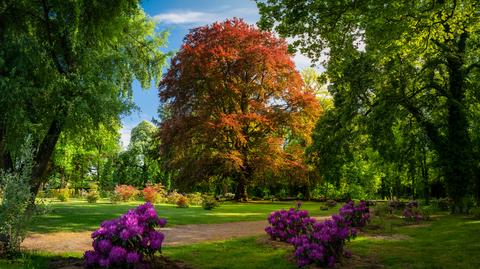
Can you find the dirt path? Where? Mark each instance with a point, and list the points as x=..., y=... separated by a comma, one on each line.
x=174, y=236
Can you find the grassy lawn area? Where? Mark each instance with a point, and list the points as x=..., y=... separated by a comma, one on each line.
x=447, y=242
x=233, y=254
x=78, y=215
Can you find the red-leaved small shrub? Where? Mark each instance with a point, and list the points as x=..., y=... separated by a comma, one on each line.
x=126, y=192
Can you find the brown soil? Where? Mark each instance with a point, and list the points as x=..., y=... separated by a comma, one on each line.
x=174, y=236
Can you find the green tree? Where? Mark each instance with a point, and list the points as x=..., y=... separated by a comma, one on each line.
x=397, y=59
x=88, y=155
x=69, y=65
x=139, y=164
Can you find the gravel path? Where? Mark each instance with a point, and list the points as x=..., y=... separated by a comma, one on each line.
x=174, y=236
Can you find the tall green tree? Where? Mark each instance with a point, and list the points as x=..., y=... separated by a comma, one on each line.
x=66, y=65
x=87, y=155
x=397, y=59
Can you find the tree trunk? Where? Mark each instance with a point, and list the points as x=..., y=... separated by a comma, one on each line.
x=457, y=152
x=6, y=162
x=241, y=189
x=426, y=185
x=44, y=153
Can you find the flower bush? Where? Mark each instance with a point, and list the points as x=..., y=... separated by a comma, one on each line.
x=129, y=241
x=126, y=192
x=355, y=215
x=412, y=212
x=287, y=224
x=182, y=202
x=173, y=197
x=324, y=242
x=154, y=193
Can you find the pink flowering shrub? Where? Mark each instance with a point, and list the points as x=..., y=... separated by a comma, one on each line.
x=355, y=215
x=412, y=212
x=129, y=241
x=323, y=243
x=286, y=224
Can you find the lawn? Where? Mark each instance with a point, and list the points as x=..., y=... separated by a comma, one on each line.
x=78, y=215
x=447, y=241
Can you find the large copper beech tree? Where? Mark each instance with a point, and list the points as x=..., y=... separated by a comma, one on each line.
x=231, y=103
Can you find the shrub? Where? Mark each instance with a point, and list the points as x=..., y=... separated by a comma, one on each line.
x=128, y=241
x=154, y=193
x=441, y=204
x=323, y=244
x=426, y=212
x=182, y=201
x=195, y=198
x=114, y=197
x=209, y=203
x=330, y=203
x=381, y=209
x=15, y=214
x=475, y=212
x=93, y=195
x=355, y=215
x=395, y=205
x=63, y=194
x=287, y=224
x=173, y=197
x=412, y=212
x=126, y=192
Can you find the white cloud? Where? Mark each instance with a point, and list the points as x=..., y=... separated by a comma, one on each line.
x=184, y=17
x=197, y=18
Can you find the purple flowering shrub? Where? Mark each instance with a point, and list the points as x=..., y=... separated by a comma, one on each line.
x=355, y=215
x=286, y=224
x=128, y=241
x=323, y=243
x=412, y=212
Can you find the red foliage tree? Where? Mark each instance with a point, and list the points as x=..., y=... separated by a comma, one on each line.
x=231, y=101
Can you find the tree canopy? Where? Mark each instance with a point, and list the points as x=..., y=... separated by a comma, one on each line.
x=399, y=70
x=232, y=106
x=69, y=65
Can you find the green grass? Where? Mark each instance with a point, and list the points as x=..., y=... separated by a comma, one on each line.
x=448, y=242
x=232, y=254
x=35, y=260
x=78, y=215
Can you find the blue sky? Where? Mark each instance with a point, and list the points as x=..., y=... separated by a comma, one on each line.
x=178, y=16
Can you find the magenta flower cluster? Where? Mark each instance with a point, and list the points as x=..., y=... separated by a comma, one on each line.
x=321, y=243
x=412, y=212
x=324, y=243
x=355, y=215
x=286, y=224
x=128, y=241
